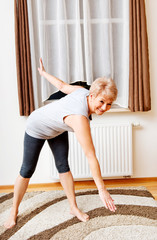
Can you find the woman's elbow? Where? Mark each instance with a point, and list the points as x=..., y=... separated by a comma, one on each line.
x=64, y=87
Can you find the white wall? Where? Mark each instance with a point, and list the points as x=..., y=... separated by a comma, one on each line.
x=12, y=126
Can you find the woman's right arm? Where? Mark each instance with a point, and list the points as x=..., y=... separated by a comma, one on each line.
x=58, y=83
x=81, y=128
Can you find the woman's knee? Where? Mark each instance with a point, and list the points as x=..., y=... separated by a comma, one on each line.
x=32, y=148
x=62, y=167
x=23, y=178
x=26, y=172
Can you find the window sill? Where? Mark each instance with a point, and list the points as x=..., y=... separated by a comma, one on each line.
x=117, y=108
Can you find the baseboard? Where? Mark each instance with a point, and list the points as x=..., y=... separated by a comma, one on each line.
x=85, y=183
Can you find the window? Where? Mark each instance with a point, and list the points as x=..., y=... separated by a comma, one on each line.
x=80, y=40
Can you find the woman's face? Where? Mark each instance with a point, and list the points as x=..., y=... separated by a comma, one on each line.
x=100, y=104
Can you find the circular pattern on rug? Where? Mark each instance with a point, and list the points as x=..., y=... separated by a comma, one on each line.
x=94, y=225
x=124, y=232
x=45, y=215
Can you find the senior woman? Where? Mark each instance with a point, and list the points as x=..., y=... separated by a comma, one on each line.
x=51, y=123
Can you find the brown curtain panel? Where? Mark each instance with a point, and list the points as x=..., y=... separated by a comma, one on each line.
x=139, y=79
x=23, y=58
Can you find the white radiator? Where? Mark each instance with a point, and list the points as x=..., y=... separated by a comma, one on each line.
x=113, y=144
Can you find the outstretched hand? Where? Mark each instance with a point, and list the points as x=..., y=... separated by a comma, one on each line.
x=107, y=200
x=41, y=69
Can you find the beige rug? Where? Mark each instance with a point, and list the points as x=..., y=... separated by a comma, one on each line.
x=45, y=215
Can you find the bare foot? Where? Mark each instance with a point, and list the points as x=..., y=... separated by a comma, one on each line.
x=11, y=222
x=80, y=215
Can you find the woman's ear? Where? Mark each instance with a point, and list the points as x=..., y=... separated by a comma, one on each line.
x=91, y=95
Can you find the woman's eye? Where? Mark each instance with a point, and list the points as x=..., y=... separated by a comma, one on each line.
x=102, y=101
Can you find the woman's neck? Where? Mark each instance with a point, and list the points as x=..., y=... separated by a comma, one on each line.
x=89, y=105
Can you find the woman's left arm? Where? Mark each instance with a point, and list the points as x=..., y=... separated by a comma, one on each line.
x=81, y=127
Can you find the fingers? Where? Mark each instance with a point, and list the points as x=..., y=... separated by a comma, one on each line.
x=41, y=68
x=107, y=200
x=41, y=63
x=111, y=206
x=106, y=204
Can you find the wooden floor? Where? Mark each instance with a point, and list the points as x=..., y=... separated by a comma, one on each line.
x=149, y=183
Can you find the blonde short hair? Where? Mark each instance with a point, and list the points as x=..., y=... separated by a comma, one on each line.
x=104, y=86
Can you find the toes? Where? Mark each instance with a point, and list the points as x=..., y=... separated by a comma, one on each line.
x=80, y=215
x=85, y=218
x=8, y=226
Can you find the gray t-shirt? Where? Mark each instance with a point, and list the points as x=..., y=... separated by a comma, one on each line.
x=48, y=121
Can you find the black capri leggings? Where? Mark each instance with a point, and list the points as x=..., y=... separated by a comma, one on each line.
x=32, y=147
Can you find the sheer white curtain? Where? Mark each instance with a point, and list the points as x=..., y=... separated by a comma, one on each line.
x=80, y=40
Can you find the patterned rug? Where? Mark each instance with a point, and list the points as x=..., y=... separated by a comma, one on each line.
x=45, y=215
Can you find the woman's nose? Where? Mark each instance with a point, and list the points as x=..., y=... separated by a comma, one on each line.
x=104, y=106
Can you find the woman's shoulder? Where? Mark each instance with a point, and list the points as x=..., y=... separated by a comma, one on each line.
x=76, y=99
x=80, y=91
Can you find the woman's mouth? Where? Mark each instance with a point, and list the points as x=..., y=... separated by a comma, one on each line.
x=100, y=110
